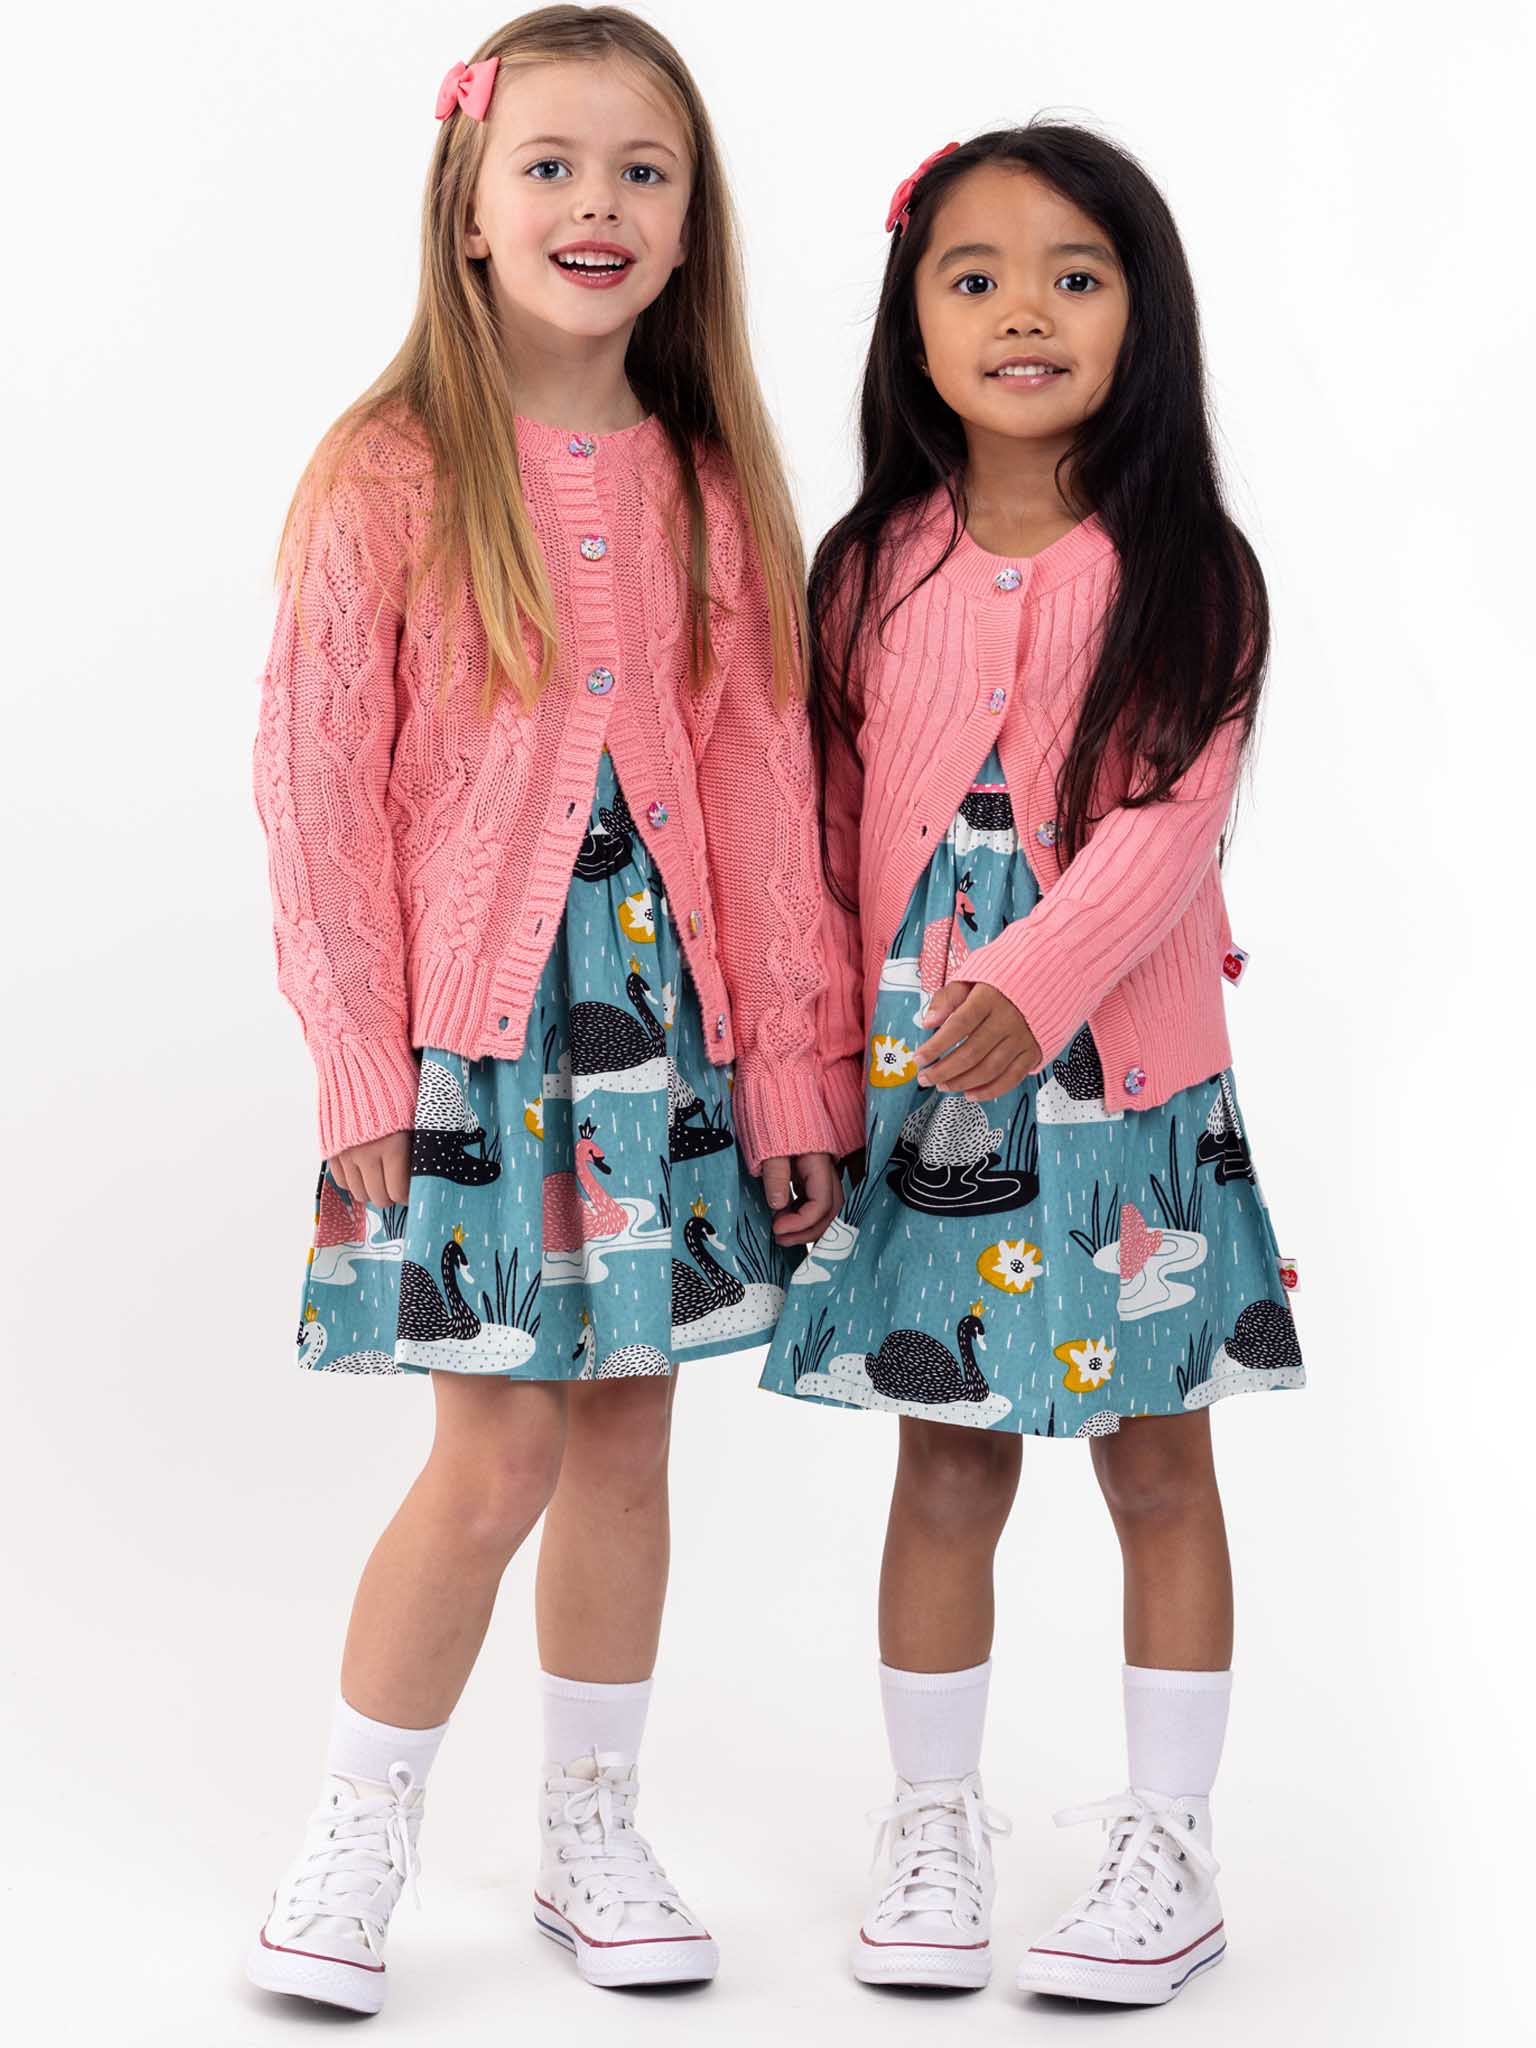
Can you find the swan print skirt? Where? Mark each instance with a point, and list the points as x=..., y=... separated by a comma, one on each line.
x=580, y=1212
x=1038, y=1262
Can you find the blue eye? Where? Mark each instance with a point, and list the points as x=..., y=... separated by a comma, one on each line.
x=546, y=163
x=1083, y=274
x=977, y=277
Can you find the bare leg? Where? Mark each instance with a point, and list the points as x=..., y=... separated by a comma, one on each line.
x=1159, y=1480
x=606, y=1545
x=954, y=1488
x=427, y=1591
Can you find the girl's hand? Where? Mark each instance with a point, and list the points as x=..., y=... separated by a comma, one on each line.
x=378, y=1172
x=999, y=1049
x=813, y=1177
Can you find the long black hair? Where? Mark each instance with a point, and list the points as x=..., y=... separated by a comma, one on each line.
x=1186, y=641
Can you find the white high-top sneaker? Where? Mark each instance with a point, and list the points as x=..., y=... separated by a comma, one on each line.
x=931, y=1922
x=1151, y=1918
x=601, y=1893
x=324, y=1938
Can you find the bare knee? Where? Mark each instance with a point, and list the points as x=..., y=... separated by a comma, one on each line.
x=495, y=1463
x=957, y=1480
x=620, y=1435
x=1156, y=1467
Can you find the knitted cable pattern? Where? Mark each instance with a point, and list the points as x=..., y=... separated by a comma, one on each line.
x=420, y=850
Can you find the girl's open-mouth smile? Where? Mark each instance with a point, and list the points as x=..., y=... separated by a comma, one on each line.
x=594, y=266
x=1027, y=373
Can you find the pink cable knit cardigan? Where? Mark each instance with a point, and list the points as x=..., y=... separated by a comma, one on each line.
x=1131, y=936
x=420, y=851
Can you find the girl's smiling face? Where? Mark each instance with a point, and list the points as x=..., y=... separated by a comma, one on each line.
x=1014, y=274
x=582, y=198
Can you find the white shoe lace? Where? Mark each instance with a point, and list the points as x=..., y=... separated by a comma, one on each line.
x=936, y=1836
x=1150, y=1851
x=611, y=1861
x=359, y=1868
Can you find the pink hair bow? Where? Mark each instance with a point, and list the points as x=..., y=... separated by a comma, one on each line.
x=901, y=198
x=467, y=86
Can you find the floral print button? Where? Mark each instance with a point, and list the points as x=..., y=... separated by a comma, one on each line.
x=1135, y=1080
x=1008, y=579
x=720, y=1025
x=581, y=444
x=1045, y=832
x=998, y=699
x=593, y=547
x=600, y=681
x=656, y=813
x=695, y=923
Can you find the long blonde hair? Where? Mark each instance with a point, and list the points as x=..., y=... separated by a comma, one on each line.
x=688, y=361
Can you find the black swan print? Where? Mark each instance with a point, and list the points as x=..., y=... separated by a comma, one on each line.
x=1262, y=1352
x=913, y=1373
x=709, y=1302
x=1073, y=1091
x=609, y=844
x=690, y=1132
x=1223, y=1140
x=948, y=1160
x=912, y=1366
x=447, y=1133
x=441, y=1330
x=612, y=1048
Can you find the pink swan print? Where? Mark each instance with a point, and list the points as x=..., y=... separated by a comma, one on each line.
x=1146, y=1260
x=945, y=951
x=577, y=1210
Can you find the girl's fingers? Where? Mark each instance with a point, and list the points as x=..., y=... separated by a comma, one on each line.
x=397, y=1167
x=947, y=999
x=965, y=1017
x=955, y=1068
x=1000, y=1076
x=776, y=1183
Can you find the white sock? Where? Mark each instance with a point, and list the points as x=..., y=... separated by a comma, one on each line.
x=1175, y=1722
x=361, y=1748
x=581, y=1715
x=934, y=1720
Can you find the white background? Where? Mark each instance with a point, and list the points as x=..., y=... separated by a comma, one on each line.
x=211, y=250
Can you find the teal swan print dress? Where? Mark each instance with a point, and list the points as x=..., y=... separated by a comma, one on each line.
x=580, y=1212
x=1038, y=1262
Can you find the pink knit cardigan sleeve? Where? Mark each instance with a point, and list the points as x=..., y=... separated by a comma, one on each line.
x=757, y=787
x=321, y=765
x=1118, y=898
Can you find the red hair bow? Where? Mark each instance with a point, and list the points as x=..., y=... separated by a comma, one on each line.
x=467, y=86
x=901, y=198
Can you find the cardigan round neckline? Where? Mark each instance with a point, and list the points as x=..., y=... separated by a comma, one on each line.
x=976, y=570
x=640, y=442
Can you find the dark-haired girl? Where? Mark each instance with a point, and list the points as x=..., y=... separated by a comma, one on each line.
x=1039, y=641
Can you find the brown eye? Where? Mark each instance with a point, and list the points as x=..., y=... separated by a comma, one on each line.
x=977, y=278
x=1082, y=277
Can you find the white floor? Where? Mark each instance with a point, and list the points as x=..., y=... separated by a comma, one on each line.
x=192, y=1627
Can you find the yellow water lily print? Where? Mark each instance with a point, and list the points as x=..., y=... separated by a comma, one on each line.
x=892, y=1062
x=1014, y=1267
x=1089, y=1362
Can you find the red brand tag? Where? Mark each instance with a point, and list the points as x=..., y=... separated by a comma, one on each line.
x=1289, y=1278
x=1233, y=964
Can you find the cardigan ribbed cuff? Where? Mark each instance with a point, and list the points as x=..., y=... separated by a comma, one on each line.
x=842, y=1089
x=1037, y=980
x=367, y=1090
x=777, y=1109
